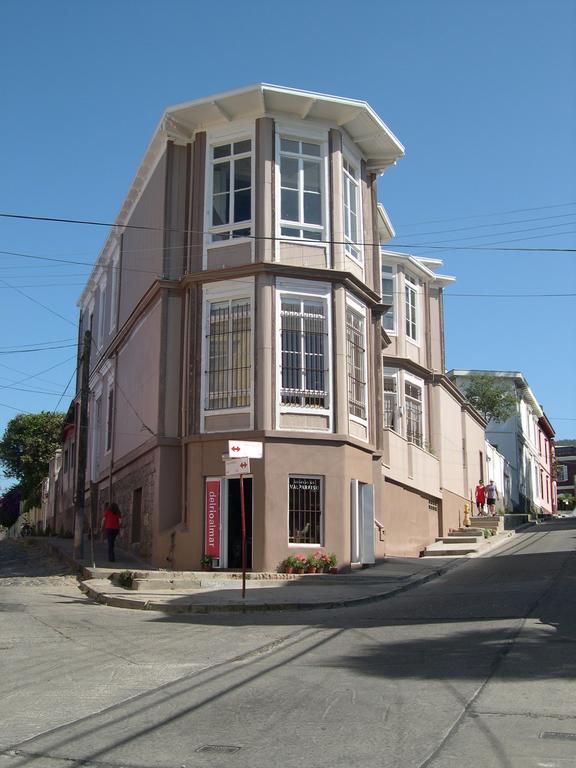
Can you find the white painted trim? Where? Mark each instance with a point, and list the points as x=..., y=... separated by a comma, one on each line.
x=351, y=155
x=360, y=309
x=395, y=295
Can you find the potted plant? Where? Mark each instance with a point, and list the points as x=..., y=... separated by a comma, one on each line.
x=314, y=562
x=290, y=564
x=206, y=563
x=301, y=563
x=332, y=562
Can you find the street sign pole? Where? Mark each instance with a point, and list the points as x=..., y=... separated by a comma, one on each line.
x=243, y=519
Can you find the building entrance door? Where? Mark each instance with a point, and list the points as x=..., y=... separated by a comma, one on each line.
x=362, y=523
x=233, y=539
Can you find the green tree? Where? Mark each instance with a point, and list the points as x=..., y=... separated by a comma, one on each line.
x=27, y=446
x=491, y=397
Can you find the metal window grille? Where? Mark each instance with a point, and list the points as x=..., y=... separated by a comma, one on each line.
x=433, y=505
x=304, y=342
x=229, y=355
x=355, y=353
x=390, y=401
x=305, y=510
x=413, y=413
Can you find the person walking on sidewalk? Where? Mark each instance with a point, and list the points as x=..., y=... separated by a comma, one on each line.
x=491, y=496
x=480, y=498
x=111, y=527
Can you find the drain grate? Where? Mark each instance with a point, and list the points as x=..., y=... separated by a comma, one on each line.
x=218, y=748
x=558, y=735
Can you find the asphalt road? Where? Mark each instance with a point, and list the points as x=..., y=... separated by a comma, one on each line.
x=474, y=669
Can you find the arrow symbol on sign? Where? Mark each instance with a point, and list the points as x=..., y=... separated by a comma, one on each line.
x=236, y=448
x=243, y=465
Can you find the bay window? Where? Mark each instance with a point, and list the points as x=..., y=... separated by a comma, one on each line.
x=231, y=211
x=301, y=189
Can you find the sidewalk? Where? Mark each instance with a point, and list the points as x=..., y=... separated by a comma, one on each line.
x=220, y=591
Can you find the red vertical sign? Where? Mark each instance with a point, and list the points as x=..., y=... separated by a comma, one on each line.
x=212, y=540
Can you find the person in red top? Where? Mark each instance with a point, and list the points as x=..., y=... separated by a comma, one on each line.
x=480, y=497
x=111, y=527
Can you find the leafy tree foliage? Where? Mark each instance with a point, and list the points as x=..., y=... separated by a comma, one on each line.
x=10, y=507
x=27, y=446
x=491, y=397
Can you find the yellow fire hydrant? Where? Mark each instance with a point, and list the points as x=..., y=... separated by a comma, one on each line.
x=466, y=515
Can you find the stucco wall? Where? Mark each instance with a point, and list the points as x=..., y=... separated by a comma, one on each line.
x=410, y=526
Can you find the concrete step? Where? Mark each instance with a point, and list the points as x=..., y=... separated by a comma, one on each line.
x=458, y=549
x=460, y=539
x=467, y=532
x=162, y=585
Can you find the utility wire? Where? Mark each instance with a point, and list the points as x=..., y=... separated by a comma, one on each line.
x=484, y=215
x=202, y=232
x=35, y=301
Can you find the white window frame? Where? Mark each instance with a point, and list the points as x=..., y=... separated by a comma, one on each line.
x=415, y=381
x=322, y=479
x=393, y=276
x=359, y=309
x=242, y=131
x=299, y=132
x=413, y=285
x=228, y=290
x=302, y=290
x=562, y=473
x=114, y=287
x=102, y=294
x=393, y=373
x=353, y=249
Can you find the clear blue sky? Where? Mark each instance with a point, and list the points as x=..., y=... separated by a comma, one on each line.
x=480, y=93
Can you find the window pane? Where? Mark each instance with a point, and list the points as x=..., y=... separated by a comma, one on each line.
x=245, y=232
x=312, y=234
x=311, y=176
x=221, y=178
x=242, y=205
x=242, y=173
x=287, y=145
x=289, y=207
x=222, y=151
x=220, y=236
x=242, y=146
x=311, y=149
x=220, y=210
x=289, y=232
x=312, y=208
x=289, y=172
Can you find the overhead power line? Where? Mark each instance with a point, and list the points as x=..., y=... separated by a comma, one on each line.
x=484, y=215
x=180, y=230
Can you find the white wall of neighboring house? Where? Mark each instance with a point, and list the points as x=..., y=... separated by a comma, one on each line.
x=498, y=469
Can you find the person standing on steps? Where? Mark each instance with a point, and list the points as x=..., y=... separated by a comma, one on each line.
x=480, y=498
x=111, y=527
x=491, y=496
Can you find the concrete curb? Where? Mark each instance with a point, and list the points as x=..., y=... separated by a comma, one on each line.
x=120, y=601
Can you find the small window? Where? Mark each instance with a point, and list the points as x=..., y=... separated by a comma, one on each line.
x=301, y=190
x=231, y=212
x=351, y=204
x=391, y=399
x=356, y=362
x=433, y=505
x=411, y=292
x=389, y=297
x=229, y=354
x=414, y=413
x=304, y=352
x=305, y=500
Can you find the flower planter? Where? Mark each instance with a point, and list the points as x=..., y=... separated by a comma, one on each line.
x=333, y=569
x=298, y=570
x=311, y=569
x=289, y=569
